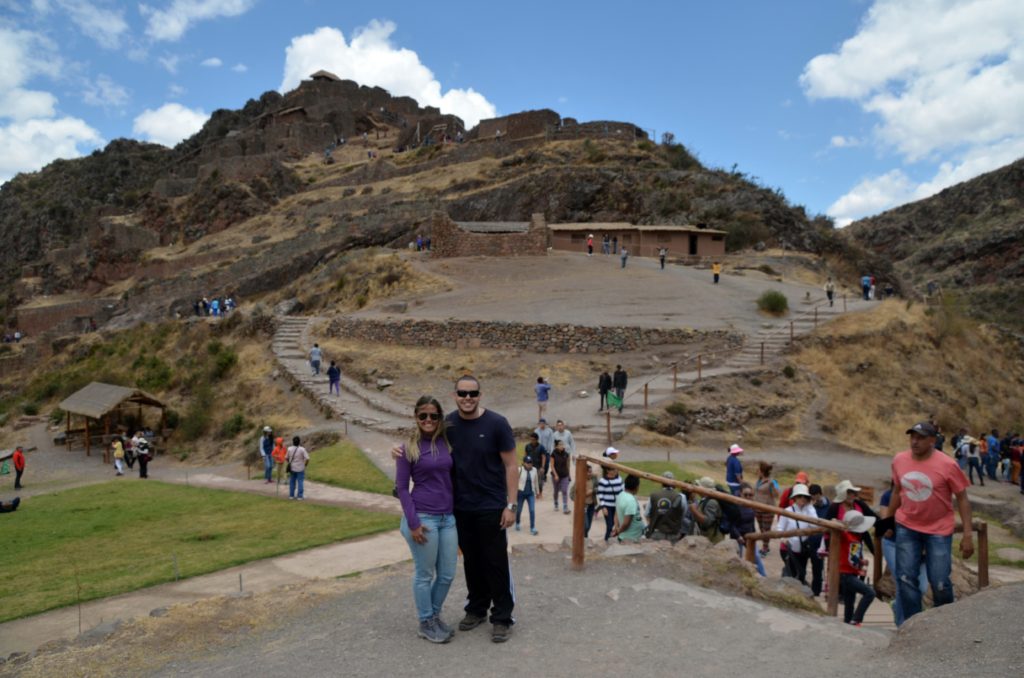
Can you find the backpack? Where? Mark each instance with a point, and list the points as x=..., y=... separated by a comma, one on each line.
x=730, y=520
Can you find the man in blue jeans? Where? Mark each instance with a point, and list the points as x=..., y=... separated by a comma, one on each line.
x=926, y=482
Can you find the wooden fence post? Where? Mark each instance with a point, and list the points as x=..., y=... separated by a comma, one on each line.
x=608, y=424
x=579, y=509
x=833, y=572
x=748, y=551
x=982, y=555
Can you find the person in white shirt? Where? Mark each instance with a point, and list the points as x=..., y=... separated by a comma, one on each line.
x=796, y=552
x=527, y=493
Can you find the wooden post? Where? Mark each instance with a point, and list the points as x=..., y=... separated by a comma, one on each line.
x=876, y=567
x=645, y=397
x=982, y=555
x=67, y=433
x=88, y=451
x=833, y=572
x=578, y=513
x=762, y=353
x=700, y=366
x=748, y=551
x=675, y=375
x=608, y=424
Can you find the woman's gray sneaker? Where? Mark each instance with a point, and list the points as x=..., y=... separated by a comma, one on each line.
x=444, y=627
x=432, y=632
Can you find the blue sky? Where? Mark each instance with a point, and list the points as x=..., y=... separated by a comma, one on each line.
x=849, y=106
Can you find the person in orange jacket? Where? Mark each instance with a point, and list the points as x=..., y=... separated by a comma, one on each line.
x=19, y=466
x=279, y=454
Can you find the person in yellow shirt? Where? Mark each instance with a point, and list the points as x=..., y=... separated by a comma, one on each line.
x=716, y=269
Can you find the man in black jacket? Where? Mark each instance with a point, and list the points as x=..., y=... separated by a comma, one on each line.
x=604, y=384
x=619, y=380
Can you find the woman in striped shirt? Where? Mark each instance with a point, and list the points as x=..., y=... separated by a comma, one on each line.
x=608, y=488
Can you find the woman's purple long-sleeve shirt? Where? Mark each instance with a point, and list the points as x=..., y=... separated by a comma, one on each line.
x=432, y=482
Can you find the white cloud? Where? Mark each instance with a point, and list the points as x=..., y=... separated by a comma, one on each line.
x=169, y=124
x=171, y=23
x=239, y=68
x=871, y=196
x=105, y=92
x=105, y=26
x=174, y=90
x=170, y=63
x=840, y=141
x=212, y=62
x=32, y=144
x=370, y=59
x=945, y=80
x=30, y=136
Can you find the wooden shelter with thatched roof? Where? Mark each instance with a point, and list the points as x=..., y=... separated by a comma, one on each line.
x=107, y=410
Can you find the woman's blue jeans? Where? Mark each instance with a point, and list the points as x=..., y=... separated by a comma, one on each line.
x=435, y=562
x=936, y=552
x=523, y=498
x=889, y=553
x=296, y=478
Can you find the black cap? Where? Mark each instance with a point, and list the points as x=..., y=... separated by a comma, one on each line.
x=527, y=460
x=925, y=428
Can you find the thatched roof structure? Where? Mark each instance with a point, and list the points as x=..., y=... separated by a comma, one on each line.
x=98, y=399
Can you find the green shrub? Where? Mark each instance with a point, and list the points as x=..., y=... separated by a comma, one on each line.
x=30, y=408
x=789, y=371
x=646, y=145
x=57, y=416
x=172, y=418
x=677, y=409
x=197, y=417
x=234, y=425
x=361, y=301
x=153, y=373
x=223, y=363
x=592, y=152
x=755, y=382
x=774, y=302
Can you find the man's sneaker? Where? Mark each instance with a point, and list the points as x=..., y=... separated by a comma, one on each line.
x=533, y=532
x=500, y=633
x=470, y=622
x=444, y=627
x=517, y=527
x=432, y=632
x=566, y=511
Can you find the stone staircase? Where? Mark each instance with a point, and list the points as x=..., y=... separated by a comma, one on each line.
x=357, y=404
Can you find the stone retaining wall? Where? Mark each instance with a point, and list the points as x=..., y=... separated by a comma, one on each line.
x=468, y=334
x=450, y=240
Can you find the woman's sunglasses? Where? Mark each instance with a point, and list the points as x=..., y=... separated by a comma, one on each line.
x=432, y=416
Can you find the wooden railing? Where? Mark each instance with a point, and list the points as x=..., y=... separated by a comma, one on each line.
x=821, y=526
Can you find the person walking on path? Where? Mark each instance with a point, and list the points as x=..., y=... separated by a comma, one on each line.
x=18, y=458
x=565, y=435
x=604, y=384
x=266, y=448
x=662, y=253
x=590, y=245
x=527, y=485
x=334, y=379
x=486, y=482
x=608, y=488
x=716, y=271
x=543, y=390
x=144, y=453
x=541, y=459
x=619, y=381
x=560, y=474
x=766, y=491
x=297, y=458
x=315, y=357
x=546, y=438
x=118, y=448
x=852, y=567
x=746, y=528
x=280, y=456
x=969, y=450
x=629, y=523
x=926, y=483
x=623, y=256
x=795, y=550
x=992, y=457
x=734, y=469
x=830, y=291
x=428, y=518
x=865, y=286
x=666, y=509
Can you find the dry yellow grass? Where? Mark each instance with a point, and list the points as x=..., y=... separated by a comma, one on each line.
x=885, y=370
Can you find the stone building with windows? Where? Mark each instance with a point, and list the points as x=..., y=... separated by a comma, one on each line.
x=682, y=242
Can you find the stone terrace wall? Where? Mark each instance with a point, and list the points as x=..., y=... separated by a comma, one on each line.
x=518, y=125
x=448, y=240
x=467, y=334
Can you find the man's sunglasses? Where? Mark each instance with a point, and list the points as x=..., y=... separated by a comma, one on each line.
x=468, y=394
x=432, y=416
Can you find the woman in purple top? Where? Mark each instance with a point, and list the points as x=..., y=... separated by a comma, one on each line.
x=428, y=523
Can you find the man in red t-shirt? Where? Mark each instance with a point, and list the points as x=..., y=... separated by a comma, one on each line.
x=19, y=466
x=926, y=482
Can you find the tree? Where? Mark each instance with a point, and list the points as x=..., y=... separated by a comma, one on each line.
x=667, y=138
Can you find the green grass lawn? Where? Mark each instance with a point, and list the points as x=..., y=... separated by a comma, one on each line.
x=344, y=465
x=122, y=535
